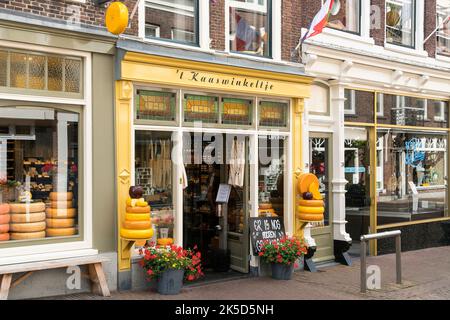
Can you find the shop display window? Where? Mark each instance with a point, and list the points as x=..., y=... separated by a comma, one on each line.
x=443, y=25
x=155, y=105
x=250, y=27
x=273, y=114
x=36, y=71
x=271, y=172
x=413, y=170
x=359, y=106
x=413, y=111
x=401, y=22
x=39, y=173
x=154, y=173
x=345, y=15
x=173, y=20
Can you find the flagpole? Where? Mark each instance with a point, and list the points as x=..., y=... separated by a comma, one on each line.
x=435, y=30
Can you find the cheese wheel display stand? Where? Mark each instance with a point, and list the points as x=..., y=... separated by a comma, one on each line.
x=27, y=220
x=61, y=216
x=4, y=222
x=137, y=224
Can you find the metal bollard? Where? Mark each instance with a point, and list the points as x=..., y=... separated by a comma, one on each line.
x=363, y=250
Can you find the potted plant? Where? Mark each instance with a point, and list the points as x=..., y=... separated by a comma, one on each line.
x=170, y=265
x=282, y=255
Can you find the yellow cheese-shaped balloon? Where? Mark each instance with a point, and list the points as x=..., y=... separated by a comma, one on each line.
x=116, y=18
x=313, y=217
x=137, y=216
x=314, y=189
x=316, y=210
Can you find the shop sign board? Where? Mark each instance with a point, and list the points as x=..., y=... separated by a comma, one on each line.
x=223, y=194
x=265, y=228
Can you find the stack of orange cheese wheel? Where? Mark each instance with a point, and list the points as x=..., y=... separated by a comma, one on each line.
x=137, y=224
x=61, y=215
x=266, y=210
x=27, y=220
x=5, y=217
x=310, y=209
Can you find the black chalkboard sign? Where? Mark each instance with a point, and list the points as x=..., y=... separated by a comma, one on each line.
x=265, y=228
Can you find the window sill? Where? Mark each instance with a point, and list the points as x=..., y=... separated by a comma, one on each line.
x=191, y=47
x=443, y=58
x=250, y=57
x=404, y=50
x=347, y=35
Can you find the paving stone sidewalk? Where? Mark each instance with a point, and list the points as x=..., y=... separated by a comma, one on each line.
x=426, y=275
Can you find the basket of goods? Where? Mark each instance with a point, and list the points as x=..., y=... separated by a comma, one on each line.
x=61, y=215
x=27, y=218
x=311, y=206
x=137, y=223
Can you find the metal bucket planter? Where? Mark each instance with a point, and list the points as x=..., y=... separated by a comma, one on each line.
x=282, y=271
x=170, y=282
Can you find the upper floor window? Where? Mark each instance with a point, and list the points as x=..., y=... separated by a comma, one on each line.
x=174, y=20
x=443, y=24
x=401, y=22
x=250, y=26
x=346, y=16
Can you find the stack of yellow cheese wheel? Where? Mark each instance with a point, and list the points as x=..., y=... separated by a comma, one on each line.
x=137, y=224
x=266, y=210
x=311, y=209
x=4, y=222
x=27, y=220
x=61, y=215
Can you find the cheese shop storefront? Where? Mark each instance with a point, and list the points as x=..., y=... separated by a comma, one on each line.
x=208, y=145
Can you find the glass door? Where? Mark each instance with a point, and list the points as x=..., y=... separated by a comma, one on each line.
x=320, y=147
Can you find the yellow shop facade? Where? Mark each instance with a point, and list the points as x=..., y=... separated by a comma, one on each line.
x=179, y=115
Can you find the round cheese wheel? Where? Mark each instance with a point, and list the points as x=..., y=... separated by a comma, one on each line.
x=263, y=206
x=27, y=207
x=61, y=232
x=61, y=196
x=310, y=216
x=311, y=203
x=138, y=209
x=304, y=181
x=4, y=228
x=28, y=227
x=137, y=225
x=60, y=223
x=31, y=217
x=136, y=234
x=4, y=208
x=61, y=204
x=4, y=236
x=316, y=210
x=137, y=216
x=27, y=235
x=5, y=218
x=266, y=211
x=61, y=213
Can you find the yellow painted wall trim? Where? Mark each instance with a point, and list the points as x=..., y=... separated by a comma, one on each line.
x=405, y=224
x=123, y=123
x=217, y=68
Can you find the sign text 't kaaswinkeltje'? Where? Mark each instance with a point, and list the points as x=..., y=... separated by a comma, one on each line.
x=199, y=77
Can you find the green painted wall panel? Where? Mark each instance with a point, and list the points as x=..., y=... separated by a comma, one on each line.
x=104, y=211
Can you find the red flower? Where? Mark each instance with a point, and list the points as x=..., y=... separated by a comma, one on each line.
x=149, y=272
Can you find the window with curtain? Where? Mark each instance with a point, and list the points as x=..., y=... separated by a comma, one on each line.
x=346, y=15
x=401, y=22
x=443, y=25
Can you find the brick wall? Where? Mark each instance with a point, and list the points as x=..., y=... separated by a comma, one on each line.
x=430, y=25
x=88, y=13
x=378, y=34
x=291, y=23
x=217, y=25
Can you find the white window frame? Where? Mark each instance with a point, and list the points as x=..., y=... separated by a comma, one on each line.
x=419, y=20
x=41, y=252
x=155, y=27
x=442, y=107
x=362, y=11
x=443, y=13
x=380, y=103
x=352, y=110
x=275, y=36
x=203, y=28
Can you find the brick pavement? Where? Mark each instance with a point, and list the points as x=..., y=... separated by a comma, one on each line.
x=426, y=275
